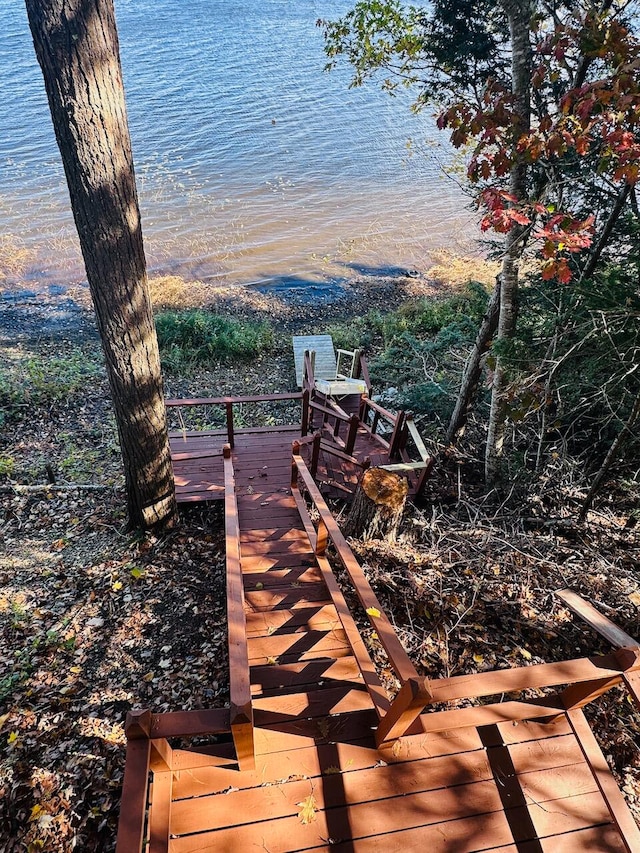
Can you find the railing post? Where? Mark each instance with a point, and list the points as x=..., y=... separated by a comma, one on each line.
x=354, y=423
x=315, y=453
x=295, y=451
x=229, y=408
x=322, y=538
x=396, y=438
x=305, y=412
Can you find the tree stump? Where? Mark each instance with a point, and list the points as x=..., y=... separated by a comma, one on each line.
x=377, y=505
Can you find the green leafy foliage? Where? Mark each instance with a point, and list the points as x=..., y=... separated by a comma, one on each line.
x=187, y=338
x=418, y=348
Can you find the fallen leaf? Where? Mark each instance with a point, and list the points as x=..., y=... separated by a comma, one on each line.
x=13, y=737
x=332, y=770
x=480, y=658
x=525, y=654
x=272, y=661
x=136, y=573
x=634, y=598
x=323, y=728
x=259, y=585
x=307, y=812
x=396, y=749
x=373, y=611
x=117, y=586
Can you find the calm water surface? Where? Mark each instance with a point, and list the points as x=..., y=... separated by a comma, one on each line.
x=253, y=165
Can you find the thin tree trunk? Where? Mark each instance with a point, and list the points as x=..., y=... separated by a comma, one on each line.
x=623, y=436
x=473, y=367
x=76, y=43
x=519, y=15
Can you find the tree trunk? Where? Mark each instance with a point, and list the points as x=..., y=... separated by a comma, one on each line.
x=473, y=367
x=76, y=43
x=377, y=505
x=519, y=14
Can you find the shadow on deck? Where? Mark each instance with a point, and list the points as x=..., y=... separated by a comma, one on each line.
x=313, y=754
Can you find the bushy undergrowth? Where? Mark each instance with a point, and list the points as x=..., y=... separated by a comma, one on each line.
x=188, y=338
x=45, y=382
x=419, y=348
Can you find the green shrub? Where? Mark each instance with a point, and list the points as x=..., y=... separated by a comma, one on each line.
x=194, y=337
x=39, y=381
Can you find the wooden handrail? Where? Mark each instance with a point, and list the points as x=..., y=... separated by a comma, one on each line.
x=376, y=407
x=594, y=619
x=329, y=412
x=398, y=657
x=417, y=438
x=221, y=401
x=241, y=711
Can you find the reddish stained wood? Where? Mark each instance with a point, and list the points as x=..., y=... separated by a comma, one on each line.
x=472, y=807
x=318, y=703
x=134, y=797
x=215, y=401
x=398, y=657
x=286, y=598
x=190, y=723
x=279, y=577
x=613, y=798
x=301, y=646
x=484, y=715
x=303, y=674
x=588, y=613
x=241, y=712
x=369, y=674
x=287, y=621
x=404, y=710
x=160, y=813
x=604, y=839
x=526, y=677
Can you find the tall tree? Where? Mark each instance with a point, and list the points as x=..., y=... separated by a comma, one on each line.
x=76, y=43
x=546, y=96
x=519, y=14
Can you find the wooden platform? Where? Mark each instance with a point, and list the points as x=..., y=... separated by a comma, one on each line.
x=313, y=755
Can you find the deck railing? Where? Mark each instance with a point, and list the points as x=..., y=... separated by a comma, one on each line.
x=229, y=403
x=587, y=678
x=239, y=677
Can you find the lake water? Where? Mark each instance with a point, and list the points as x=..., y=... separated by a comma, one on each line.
x=253, y=165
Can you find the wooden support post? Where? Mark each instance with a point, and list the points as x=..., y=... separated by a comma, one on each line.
x=136, y=781
x=374, y=422
x=295, y=451
x=305, y=412
x=322, y=538
x=315, y=453
x=229, y=408
x=396, y=437
x=160, y=813
x=411, y=700
x=354, y=423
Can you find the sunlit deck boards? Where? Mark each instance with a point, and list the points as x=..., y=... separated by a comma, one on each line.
x=522, y=788
x=320, y=783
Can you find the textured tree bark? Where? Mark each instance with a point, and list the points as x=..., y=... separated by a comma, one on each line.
x=519, y=14
x=378, y=504
x=76, y=43
x=473, y=367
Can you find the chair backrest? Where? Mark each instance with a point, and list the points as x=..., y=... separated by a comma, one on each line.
x=325, y=366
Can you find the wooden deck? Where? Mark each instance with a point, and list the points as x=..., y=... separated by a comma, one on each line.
x=312, y=754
